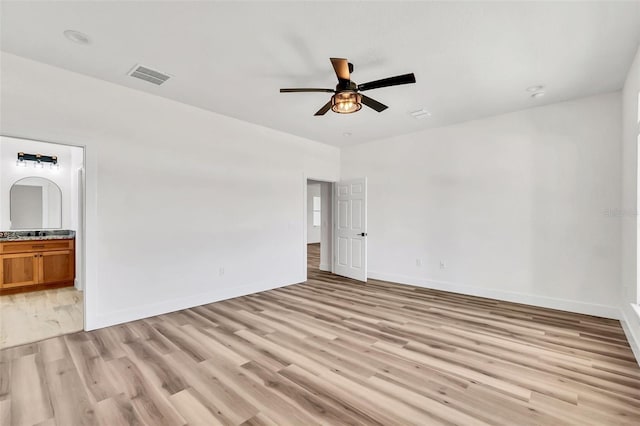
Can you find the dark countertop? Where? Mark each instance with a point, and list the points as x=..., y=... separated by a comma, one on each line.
x=30, y=235
x=46, y=237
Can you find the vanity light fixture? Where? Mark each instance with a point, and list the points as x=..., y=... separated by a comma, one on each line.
x=38, y=160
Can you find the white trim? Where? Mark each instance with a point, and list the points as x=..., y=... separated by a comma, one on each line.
x=91, y=284
x=632, y=333
x=332, y=267
x=325, y=267
x=305, y=180
x=527, y=299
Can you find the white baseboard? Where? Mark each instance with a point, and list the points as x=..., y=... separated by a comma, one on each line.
x=631, y=327
x=146, y=311
x=325, y=267
x=527, y=299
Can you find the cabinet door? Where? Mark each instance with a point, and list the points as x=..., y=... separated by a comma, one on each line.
x=57, y=266
x=19, y=269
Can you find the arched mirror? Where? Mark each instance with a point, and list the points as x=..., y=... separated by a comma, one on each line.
x=36, y=203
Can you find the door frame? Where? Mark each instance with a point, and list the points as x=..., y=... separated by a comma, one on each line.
x=305, y=225
x=88, y=207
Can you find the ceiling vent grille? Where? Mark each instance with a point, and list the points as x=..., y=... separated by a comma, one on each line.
x=147, y=74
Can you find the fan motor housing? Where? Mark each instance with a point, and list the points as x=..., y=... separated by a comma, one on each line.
x=348, y=85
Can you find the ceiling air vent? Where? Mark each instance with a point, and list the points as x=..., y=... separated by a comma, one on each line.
x=147, y=74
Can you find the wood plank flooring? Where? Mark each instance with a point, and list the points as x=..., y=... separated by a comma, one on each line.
x=331, y=351
x=33, y=316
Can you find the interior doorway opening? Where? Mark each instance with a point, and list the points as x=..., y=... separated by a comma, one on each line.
x=319, y=226
x=42, y=239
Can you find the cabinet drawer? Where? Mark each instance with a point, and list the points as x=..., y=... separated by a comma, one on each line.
x=35, y=246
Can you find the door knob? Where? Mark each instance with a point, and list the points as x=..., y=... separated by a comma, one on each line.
x=363, y=234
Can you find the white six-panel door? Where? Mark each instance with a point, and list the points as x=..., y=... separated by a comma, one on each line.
x=351, y=229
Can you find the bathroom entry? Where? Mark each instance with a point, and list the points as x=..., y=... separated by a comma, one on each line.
x=41, y=240
x=319, y=234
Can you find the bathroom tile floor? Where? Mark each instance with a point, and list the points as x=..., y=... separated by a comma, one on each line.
x=38, y=315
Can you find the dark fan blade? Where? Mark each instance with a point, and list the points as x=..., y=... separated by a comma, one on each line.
x=391, y=81
x=372, y=103
x=306, y=90
x=324, y=109
x=341, y=67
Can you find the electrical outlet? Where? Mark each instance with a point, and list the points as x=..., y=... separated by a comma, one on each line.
x=221, y=271
x=443, y=265
x=418, y=262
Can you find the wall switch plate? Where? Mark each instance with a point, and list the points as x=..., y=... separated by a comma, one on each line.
x=443, y=265
x=221, y=271
x=418, y=262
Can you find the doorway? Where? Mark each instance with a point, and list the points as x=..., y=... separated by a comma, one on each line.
x=319, y=226
x=335, y=236
x=42, y=234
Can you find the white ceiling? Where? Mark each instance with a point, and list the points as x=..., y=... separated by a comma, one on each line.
x=471, y=60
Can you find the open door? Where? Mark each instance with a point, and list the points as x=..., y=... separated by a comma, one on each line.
x=351, y=229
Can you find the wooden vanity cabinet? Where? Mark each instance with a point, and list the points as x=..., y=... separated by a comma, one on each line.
x=35, y=265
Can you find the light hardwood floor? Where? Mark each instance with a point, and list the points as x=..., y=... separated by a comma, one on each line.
x=331, y=351
x=33, y=316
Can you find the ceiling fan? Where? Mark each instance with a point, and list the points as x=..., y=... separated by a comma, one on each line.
x=346, y=97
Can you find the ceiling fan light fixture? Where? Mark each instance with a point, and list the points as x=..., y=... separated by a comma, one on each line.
x=346, y=102
x=346, y=98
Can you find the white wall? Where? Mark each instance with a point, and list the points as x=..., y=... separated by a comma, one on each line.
x=10, y=173
x=313, y=232
x=516, y=206
x=629, y=211
x=175, y=194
